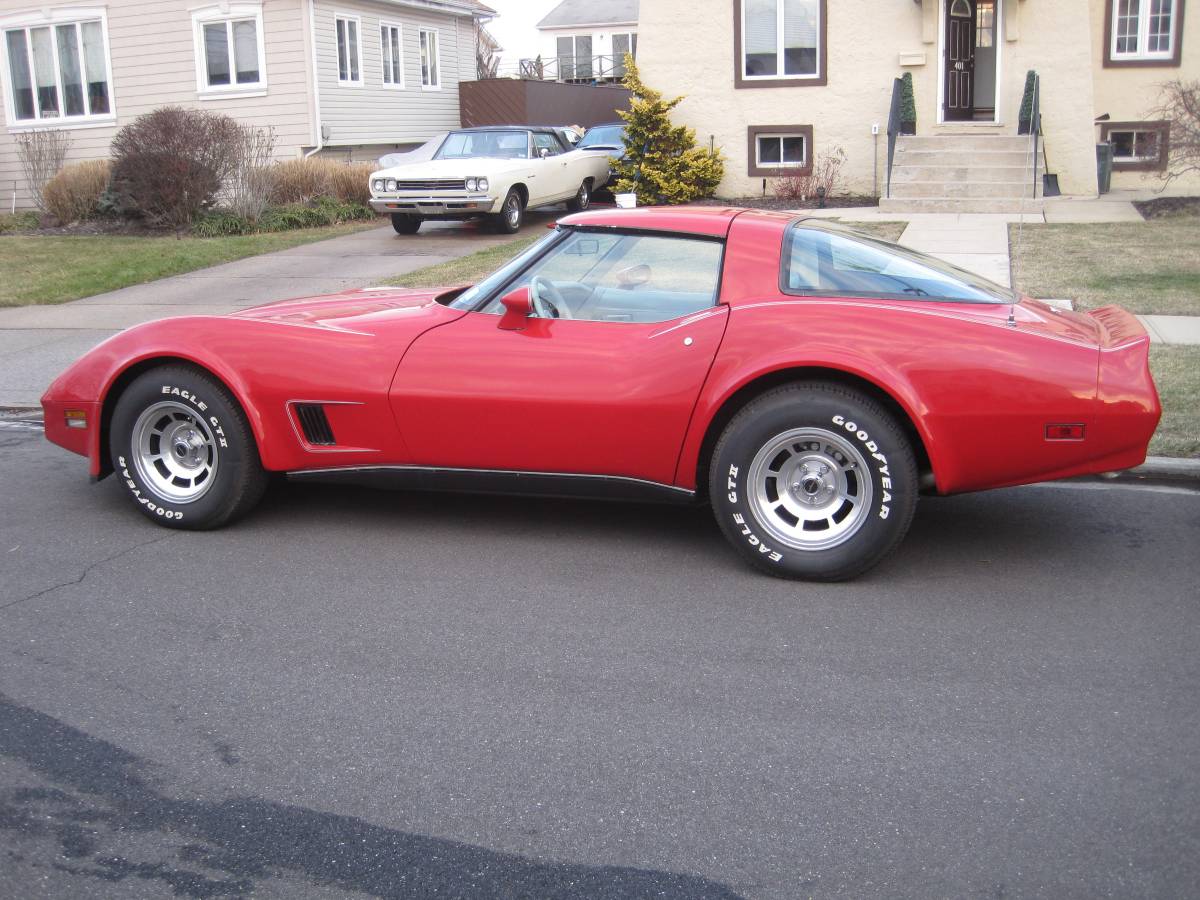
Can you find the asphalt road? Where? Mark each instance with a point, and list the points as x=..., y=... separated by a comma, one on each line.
x=398, y=695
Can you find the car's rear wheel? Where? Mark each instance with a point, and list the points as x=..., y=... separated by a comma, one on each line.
x=582, y=199
x=406, y=224
x=815, y=481
x=512, y=213
x=184, y=450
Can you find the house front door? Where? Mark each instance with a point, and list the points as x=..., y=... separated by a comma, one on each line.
x=960, y=60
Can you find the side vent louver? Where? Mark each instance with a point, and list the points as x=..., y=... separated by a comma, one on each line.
x=315, y=424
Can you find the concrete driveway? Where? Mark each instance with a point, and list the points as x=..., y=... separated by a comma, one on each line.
x=38, y=342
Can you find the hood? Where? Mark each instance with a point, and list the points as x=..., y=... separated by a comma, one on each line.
x=452, y=168
x=364, y=311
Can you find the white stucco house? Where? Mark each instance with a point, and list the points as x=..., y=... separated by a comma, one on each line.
x=777, y=84
x=586, y=40
x=345, y=77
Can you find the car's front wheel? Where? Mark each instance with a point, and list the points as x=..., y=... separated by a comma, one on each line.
x=582, y=199
x=184, y=450
x=405, y=224
x=512, y=213
x=813, y=480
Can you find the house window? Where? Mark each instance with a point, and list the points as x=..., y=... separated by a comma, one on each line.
x=229, y=49
x=349, y=50
x=985, y=23
x=574, y=57
x=780, y=42
x=393, y=54
x=1143, y=32
x=774, y=150
x=1137, y=146
x=430, y=63
x=58, y=71
x=781, y=151
x=622, y=44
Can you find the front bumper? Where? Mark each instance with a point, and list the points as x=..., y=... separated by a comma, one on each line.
x=435, y=207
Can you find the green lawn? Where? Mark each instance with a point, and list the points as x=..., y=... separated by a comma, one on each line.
x=466, y=269
x=1147, y=267
x=1176, y=371
x=45, y=269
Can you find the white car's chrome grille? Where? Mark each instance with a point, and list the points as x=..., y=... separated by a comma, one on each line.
x=434, y=184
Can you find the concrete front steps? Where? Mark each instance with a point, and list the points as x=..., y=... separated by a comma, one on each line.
x=966, y=173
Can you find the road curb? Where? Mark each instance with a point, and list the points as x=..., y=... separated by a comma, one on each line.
x=1168, y=467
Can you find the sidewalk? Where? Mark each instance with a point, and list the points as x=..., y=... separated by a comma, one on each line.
x=39, y=342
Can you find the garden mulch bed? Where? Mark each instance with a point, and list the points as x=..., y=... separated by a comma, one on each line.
x=779, y=203
x=1168, y=207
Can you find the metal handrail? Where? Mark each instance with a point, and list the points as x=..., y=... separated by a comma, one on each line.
x=570, y=68
x=893, y=128
x=1035, y=127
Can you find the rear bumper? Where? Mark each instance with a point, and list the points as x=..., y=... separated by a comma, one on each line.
x=1128, y=407
x=435, y=207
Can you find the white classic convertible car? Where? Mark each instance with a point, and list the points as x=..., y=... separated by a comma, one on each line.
x=498, y=172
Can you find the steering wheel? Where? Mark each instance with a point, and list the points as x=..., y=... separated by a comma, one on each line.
x=547, y=299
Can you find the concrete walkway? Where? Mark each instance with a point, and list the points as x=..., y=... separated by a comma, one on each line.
x=39, y=342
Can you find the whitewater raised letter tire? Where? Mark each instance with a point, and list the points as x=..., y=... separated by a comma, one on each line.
x=184, y=451
x=813, y=481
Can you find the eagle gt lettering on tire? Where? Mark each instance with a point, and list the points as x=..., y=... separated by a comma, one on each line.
x=813, y=481
x=183, y=449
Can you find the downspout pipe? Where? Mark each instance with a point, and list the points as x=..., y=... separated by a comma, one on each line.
x=318, y=132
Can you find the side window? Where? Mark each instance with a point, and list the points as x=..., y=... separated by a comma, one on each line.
x=824, y=263
x=624, y=278
x=547, y=142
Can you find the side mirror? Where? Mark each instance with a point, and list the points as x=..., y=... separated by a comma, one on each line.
x=543, y=152
x=517, y=308
x=634, y=276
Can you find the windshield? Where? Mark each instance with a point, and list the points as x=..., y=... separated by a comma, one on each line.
x=604, y=136
x=469, y=298
x=492, y=144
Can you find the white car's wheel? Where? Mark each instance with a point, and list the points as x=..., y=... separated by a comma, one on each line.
x=582, y=199
x=512, y=213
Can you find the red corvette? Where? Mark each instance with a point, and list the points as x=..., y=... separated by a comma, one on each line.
x=807, y=381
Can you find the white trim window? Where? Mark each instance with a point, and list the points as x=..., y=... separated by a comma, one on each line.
x=57, y=67
x=781, y=39
x=781, y=151
x=348, y=30
x=1144, y=29
x=230, y=55
x=431, y=62
x=391, y=45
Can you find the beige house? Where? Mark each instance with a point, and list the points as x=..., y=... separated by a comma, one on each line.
x=347, y=77
x=779, y=83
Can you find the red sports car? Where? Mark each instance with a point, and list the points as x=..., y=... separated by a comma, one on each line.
x=807, y=381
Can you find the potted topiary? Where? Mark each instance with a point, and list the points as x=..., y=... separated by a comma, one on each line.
x=908, y=105
x=1026, y=103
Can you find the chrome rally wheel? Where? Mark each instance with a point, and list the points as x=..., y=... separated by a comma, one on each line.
x=181, y=445
x=174, y=452
x=810, y=488
x=813, y=480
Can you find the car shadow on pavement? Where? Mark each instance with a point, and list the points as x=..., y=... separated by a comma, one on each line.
x=93, y=795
